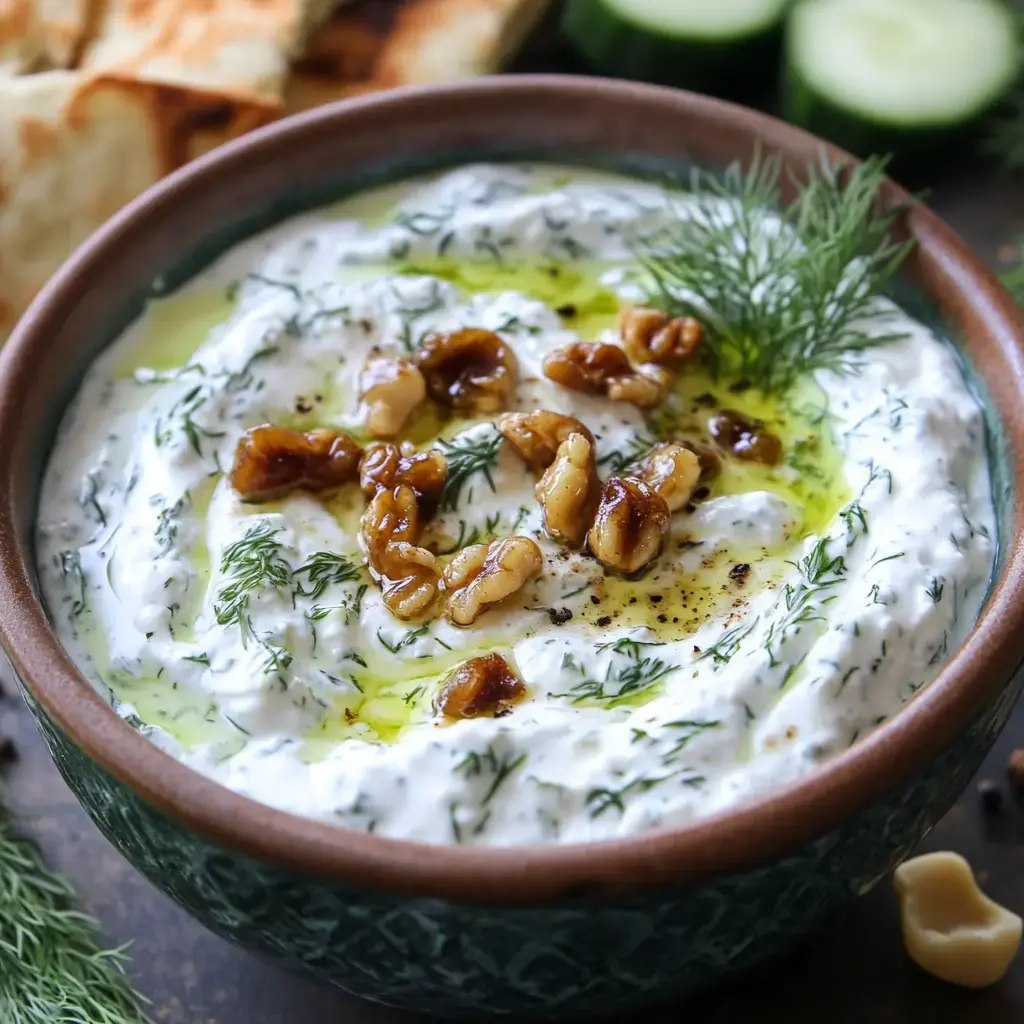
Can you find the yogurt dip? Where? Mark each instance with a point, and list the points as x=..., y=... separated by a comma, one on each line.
x=793, y=608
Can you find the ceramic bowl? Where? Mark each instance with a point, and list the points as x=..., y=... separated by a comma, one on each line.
x=538, y=930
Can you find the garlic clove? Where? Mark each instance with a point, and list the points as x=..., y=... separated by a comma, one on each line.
x=950, y=927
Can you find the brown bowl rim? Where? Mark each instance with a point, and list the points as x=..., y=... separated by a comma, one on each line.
x=739, y=838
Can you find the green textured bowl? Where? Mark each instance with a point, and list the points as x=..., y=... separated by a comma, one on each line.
x=536, y=930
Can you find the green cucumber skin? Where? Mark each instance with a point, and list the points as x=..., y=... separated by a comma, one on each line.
x=611, y=47
x=915, y=152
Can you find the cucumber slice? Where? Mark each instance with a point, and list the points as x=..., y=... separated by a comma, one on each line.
x=906, y=77
x=709, y=45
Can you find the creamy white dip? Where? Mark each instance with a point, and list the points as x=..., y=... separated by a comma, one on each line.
x=656, y=701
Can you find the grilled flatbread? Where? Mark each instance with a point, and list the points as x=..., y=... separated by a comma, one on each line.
x=21, y=37
x=238, y=49
x=445, y=40
x=65, y=24
x=73, y=151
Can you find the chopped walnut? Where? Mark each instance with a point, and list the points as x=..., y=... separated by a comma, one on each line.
x=650, y=336
x=391, y=388
x=480, y=686
x=745, y=438
x=536, y=436
x=471, y=370
x=388, y=466
x=630, y=523
x=671, y=471
x=409, y=575
x=484, y=574
x=599, y=369
x=568, y=490
x=646, y=387
x=413, y=581
x=271, y=461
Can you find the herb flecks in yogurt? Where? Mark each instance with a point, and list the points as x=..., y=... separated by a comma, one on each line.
x=788, y=602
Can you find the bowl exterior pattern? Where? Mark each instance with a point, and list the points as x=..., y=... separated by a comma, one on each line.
x=584, y=954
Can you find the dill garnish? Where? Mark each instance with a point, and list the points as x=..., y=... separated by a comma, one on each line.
x=251, y=564
x=323, y=569
x=71, y=565
x=632, y=673
x=601, y=800
x=410, y=638
x=638, y=446
x=467, y=457
x=779, y=299
x=50, y=966
x=488, y=763
x=818, y=572
x=727, y=644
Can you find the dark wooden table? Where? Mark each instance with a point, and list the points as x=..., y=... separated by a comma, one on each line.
x=854, y=970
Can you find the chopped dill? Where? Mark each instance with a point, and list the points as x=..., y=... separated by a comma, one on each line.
x=410, y=638
x=251, y=564
x=632, y=672
x=324, y=569
x=468, y=457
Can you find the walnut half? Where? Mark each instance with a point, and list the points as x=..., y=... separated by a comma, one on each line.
x=535, y=436
x=389, y=466
x=670, y=470
x=270, y=462
x=471, y=370
x=391, y=388
x=409, y=575
x=479, y=686
x=599, y=369
x=484, y=574
x=567, y=492
x=651, y=336
x=629, y=526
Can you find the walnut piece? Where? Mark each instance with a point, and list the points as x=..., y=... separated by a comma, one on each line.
x=535, y=436
x=568, y=490
x=670, y=470
x=389, y=466
x=950, y=927
x=270, y=462
x=599, y=369
x=409, y=575
x=479, y=686
x=471, y=370
x=629, y=526
x=745, y=438
x=651, y=336
x=390, y=387
x=484, y=574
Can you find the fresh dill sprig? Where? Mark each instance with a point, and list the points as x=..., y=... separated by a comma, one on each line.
x=51, y=968
x=324, y=569
x=638, y=446
x=251, y=564
x=467, y=457
x=818, y=573
x=783, y=290
x=632, y=673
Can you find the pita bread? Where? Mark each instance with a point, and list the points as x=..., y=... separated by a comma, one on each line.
x=21, y=37
x=444, y=40
x=72, y=152
x=237, y=49
x=65, y=24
